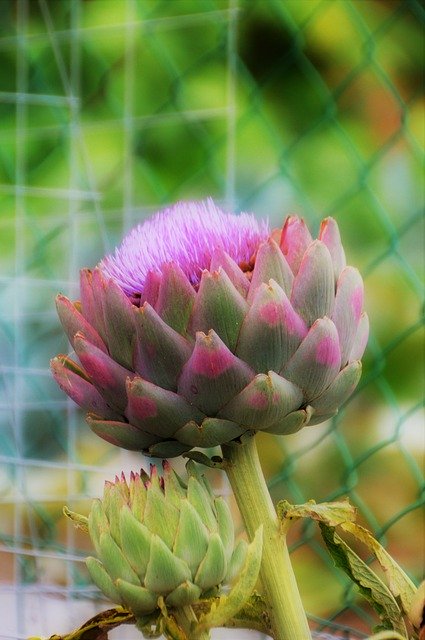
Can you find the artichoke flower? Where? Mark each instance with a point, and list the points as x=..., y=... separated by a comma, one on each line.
x=157, y=537
x=205, y=325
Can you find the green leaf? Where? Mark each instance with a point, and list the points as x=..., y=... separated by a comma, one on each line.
x=228, y=606
x=254, y=615
x=332, y=514
x=399, y=583
x=215, y=462
x=370, y=586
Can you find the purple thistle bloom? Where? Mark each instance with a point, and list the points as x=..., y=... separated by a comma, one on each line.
x=186, y=233
x=205, y=325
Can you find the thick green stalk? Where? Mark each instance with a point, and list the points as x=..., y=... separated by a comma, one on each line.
x=242, y=465
x=187, y=619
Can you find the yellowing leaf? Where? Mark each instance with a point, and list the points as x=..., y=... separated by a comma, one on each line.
x=399, y=583
x=370, y=586
x=79, y=521
x=331, y=513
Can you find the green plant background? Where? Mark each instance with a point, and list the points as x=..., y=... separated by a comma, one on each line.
x=112, y=109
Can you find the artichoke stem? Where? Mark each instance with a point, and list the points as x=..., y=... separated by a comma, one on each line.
x=187, y=619
x=285, y=609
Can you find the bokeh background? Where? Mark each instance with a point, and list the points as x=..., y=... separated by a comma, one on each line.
x=111, y=109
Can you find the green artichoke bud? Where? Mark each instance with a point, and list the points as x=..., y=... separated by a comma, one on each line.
x=158, y=537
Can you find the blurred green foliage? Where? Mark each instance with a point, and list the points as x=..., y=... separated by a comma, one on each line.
x=110, y=110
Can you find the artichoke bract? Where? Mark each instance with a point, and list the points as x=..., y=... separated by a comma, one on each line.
x=204, y=325
x=158, y=537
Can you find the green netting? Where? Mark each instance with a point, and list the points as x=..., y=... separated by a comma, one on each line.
x=109, y=110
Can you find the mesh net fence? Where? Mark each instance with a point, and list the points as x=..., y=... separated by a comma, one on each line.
x=110, y=110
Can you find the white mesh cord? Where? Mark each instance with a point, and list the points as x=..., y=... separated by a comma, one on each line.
x=112, y=110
